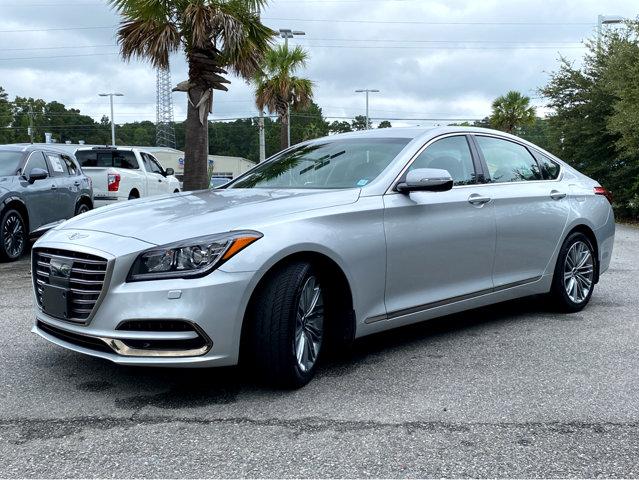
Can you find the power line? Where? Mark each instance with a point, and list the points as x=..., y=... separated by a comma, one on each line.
x=28, y=30
x=59, y=48
x=419, y=22
x=59, y=56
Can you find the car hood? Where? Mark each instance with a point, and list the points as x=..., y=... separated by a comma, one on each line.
x=169, y=218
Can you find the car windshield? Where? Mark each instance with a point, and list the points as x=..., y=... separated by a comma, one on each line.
x=339, y=163
x=9, y=162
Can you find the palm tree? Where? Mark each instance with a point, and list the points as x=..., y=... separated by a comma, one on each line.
x=277, y=87
x=215, y=35
x=512, y=111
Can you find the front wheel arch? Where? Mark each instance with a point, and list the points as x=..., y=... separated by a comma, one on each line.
x=342, y=323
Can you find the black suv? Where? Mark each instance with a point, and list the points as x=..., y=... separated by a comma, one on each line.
x=38, y=187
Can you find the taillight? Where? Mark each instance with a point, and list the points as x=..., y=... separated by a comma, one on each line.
x=114, y=182
x=604, y=192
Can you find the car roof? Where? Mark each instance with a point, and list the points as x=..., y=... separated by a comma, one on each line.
x=417, y=132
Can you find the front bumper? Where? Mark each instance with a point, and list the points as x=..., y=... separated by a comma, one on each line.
x=214, y=304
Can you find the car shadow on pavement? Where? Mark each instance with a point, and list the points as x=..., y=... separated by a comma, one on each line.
x=138, y=387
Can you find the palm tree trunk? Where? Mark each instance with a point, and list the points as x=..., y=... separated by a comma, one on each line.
x=284, y=131
x=196, y=148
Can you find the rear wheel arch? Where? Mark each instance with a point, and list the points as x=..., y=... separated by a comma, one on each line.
x=340, y=328
x=84, y=200
x=134, y=193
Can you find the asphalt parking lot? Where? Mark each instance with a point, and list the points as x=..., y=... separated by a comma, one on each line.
x=512, y=390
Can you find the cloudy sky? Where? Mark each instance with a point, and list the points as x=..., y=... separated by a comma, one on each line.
x=431, y=59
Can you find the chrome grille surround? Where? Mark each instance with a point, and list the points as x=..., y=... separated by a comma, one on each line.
x=88, y=280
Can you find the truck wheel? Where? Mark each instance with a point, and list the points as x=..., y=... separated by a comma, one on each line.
x=13, y=233
x=133, y=195
x=287, y=326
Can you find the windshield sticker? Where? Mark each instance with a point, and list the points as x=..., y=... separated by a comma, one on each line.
x=362, y=182
x=55, y=163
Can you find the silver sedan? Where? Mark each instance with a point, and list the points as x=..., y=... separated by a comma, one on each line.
x=328, y=241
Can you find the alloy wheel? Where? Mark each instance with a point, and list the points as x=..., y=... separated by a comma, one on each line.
x=13, y=235
x=82, y=209
x=578, y=272
x=309, y=325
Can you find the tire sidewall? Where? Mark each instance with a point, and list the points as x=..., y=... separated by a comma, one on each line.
x=559, y=290
x=3, y=219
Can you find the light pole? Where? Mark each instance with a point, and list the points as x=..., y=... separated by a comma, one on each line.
x=367, y=91
x=606, y=20
x=111, y=95
x=287, y=33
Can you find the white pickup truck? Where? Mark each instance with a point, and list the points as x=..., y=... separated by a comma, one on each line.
x=124, y=174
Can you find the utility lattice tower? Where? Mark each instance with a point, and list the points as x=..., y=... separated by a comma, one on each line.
x=165, y=132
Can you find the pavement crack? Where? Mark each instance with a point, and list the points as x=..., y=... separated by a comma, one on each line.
x=42, y=429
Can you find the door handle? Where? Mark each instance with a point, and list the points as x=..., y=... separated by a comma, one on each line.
x=54, y=187
x=160, y=180
x=557, y=195
x=476, y=199
x=76, y=183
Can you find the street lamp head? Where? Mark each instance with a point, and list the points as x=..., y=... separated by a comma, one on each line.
x=610, y=19
x=111, y=94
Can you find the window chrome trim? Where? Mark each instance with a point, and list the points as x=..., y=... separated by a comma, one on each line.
x=391, y=190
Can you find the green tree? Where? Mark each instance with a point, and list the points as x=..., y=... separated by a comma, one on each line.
x=384, y=124
x=589, y=106
x=308, y=123
x=511, y=112
x=340, y=127
x=6, y=118
x=360, y=123
x=215, y=35
x=277, y=87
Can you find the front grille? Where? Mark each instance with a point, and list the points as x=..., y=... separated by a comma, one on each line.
x=86, y=279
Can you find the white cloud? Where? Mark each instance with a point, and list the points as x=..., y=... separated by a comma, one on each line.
x=418, y=75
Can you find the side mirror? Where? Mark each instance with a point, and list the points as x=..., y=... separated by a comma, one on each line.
x=169, y=171
x=426, y=179
x=37, y=174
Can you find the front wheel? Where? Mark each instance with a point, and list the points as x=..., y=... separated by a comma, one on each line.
x=287, y=326
x=574, y=278
x=13, y=239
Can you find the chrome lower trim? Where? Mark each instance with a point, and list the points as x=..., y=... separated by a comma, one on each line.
x=119, y=347
x=448, y=301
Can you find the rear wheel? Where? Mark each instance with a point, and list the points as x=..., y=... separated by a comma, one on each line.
x=133, y=195
x=82, y=208
x=287, y=326
x=13, y=235
x=574, y=278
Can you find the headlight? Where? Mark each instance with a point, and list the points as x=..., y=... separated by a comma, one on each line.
x=190, y=258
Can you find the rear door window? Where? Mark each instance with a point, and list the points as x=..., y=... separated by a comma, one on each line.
x=57, y=166
x=508, y=161
x=549, y=168
x=71, y=166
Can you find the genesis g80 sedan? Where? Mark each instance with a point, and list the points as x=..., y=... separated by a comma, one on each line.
x=330, y=240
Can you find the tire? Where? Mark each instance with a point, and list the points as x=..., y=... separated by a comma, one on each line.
x=13, y=235
x=574, y=277
x=82, y=208
x=133, y=196
x=284, y=347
